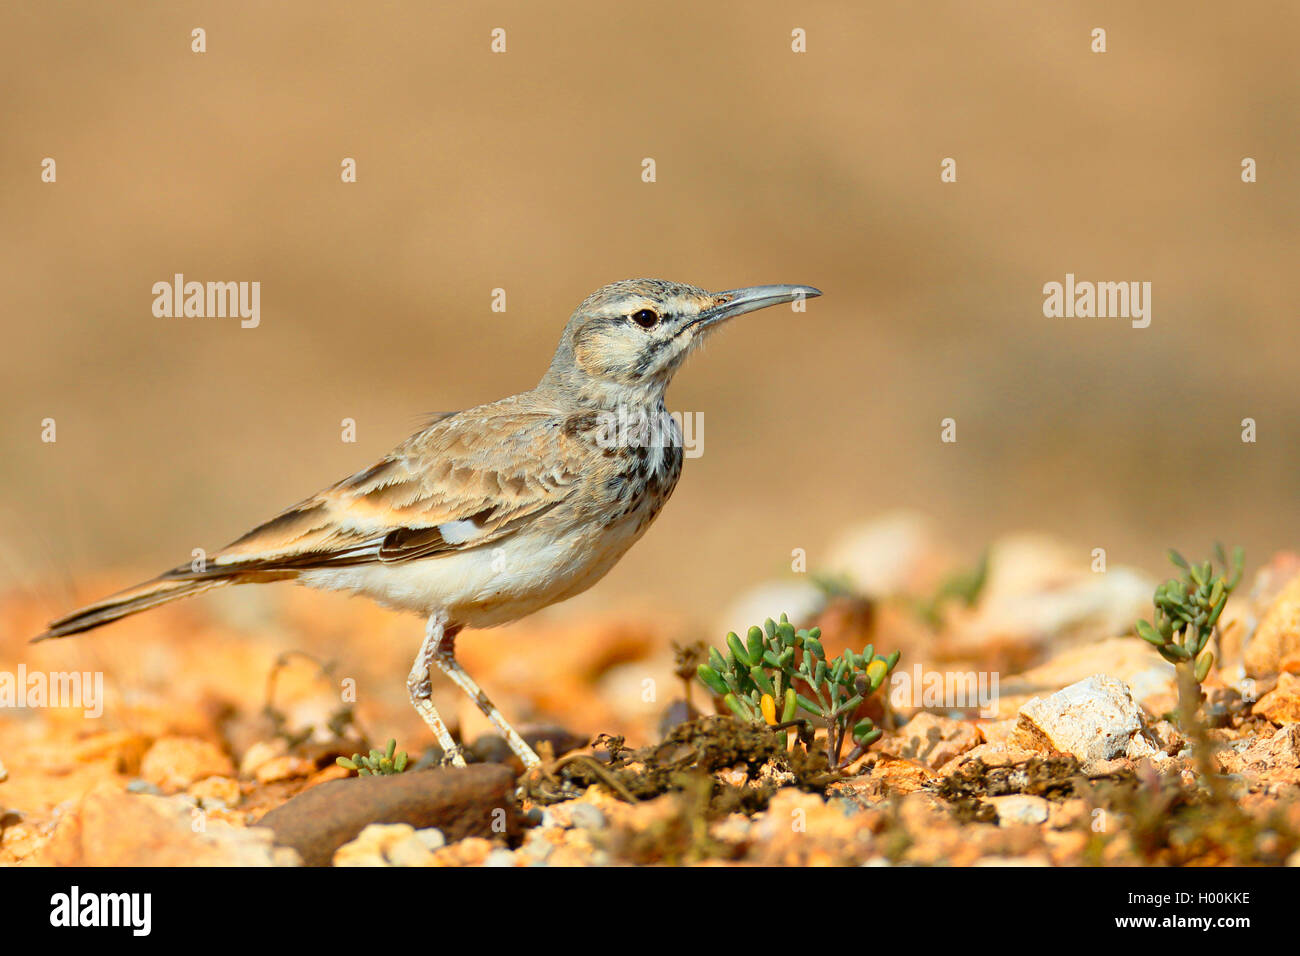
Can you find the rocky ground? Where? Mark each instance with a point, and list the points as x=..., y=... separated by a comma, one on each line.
x=222, y=721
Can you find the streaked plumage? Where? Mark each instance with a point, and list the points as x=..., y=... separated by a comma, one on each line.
x=492, y=513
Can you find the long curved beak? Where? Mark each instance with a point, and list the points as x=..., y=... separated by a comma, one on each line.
x=736, y=302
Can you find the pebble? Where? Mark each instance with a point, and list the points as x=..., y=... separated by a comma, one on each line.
x=1281, y=705
x=1278, y=634
x=173, y=763
x=1019, y=808
x=537, y=846
x=586, y=817
x=460, y=802
x=432, y=838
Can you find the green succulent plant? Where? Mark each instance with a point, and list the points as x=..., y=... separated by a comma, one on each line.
x=1186, y=613
x=377, y=763
x=781, y=677
x=963, y=587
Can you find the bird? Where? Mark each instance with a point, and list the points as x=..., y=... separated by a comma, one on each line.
x=490, y=514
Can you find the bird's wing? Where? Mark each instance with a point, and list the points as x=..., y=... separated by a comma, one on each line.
x=467, y=480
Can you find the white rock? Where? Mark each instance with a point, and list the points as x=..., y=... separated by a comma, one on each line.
x=432, y=838
x=1094, y=720
x=1019, y=808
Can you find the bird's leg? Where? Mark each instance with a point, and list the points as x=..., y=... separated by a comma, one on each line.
x=419, y=685
x=445, y=657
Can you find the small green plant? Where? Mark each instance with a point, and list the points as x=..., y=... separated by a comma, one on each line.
x=1186, y=613
x=778, y=673
x=378, y=763
x=964, y=587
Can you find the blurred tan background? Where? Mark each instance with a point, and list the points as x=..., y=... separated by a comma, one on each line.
x=522, y=171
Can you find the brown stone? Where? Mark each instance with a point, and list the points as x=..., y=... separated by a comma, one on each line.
x=461, y=802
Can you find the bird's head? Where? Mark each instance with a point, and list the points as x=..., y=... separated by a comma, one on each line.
x=625, y=341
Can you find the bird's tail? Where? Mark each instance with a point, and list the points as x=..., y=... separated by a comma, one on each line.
x=142, y=597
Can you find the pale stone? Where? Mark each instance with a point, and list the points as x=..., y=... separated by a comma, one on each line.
x=431, y=837
x=261, y=752
x=173, y=763
x=372, y=845
x=395, y=844
x=1095, y=720
x=1019, y=808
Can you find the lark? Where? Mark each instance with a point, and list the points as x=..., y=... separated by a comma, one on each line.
x=490, y=514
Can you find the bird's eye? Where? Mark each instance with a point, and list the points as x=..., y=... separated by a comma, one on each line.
x=646, y=318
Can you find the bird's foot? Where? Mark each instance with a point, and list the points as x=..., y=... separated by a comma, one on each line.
x=453, y=757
